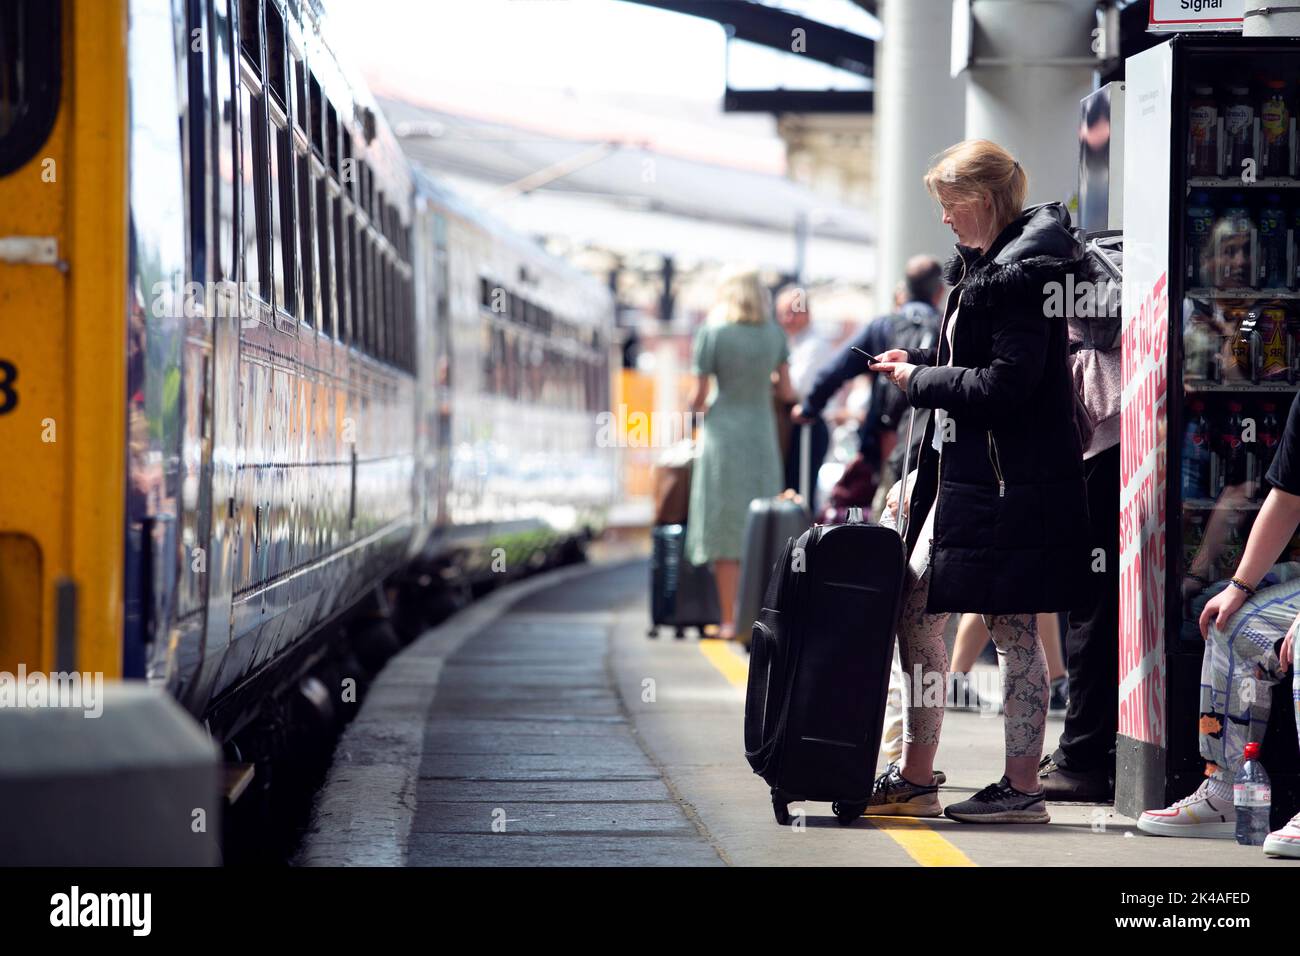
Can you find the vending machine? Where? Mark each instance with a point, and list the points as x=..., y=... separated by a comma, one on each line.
x=1211, y=364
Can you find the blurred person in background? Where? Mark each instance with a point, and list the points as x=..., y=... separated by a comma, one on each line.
x=916, y=319
x=809, y=351
x=737, y=353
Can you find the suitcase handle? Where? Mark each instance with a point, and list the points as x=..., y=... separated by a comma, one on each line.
x=805, y=464
x=904, y=503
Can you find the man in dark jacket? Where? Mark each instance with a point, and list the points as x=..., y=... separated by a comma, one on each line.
x=916, y=320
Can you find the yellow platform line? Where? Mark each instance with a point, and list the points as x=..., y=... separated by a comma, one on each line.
x=917, y=838
x=733, y=666
x=922, y=843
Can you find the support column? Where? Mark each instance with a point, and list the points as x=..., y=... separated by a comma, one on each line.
x=920, y=110
x=1031, y=63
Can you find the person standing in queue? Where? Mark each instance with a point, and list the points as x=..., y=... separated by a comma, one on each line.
x=740, y=349
x=998, y=508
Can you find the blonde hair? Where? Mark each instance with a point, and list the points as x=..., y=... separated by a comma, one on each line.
x=964, y=173
x=741, y=297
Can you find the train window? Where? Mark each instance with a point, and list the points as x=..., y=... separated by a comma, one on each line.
x=386, y=306
x=326, y=278
x=275, y=53
x=306, y=237
x=283, y=238
x=356, y=280
x=332, y=138
x=315, y=103
x=301, y=105
x=31, y=70
x=227, y=147
x=250, y=33
x=252, y=174
x=342, y=327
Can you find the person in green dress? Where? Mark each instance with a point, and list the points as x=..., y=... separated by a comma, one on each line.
x=738, y=353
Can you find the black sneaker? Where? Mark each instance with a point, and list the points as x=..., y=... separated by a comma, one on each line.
x=895, y=795
x=1000, y=803
x=1069, y=786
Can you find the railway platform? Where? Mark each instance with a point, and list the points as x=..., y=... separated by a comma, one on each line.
x=542, y=727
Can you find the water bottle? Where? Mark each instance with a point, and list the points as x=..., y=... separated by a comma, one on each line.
x=1252, y=795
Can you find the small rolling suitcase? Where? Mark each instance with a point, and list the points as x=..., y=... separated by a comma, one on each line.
x=682, y=594
x=819, y=665
x=770, y=524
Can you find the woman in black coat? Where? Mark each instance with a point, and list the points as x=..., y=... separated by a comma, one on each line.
x=998, y=519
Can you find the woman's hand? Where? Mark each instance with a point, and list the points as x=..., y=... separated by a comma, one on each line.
x=1220, y=609
x=893, y=363
x=1286, y=656
x=898, y=372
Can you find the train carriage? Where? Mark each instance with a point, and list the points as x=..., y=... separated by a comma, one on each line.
x=258, y=375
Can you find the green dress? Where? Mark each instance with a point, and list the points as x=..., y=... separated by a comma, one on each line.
x=739, y=457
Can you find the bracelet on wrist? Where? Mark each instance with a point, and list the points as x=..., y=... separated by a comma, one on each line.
x=1242, y=586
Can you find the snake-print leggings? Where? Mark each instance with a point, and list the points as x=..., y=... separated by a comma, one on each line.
x=1023, y=666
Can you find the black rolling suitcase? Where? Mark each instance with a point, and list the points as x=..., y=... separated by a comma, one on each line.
x=682, y=594
x=771, y=522
x=819, y=665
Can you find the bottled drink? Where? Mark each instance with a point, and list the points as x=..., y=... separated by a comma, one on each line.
x=1200, y=228
x=1272, y=268
x=1271, y=326
x=1252, y=795
x=1196, y=453
x=1274, y=131
x=1228, y=452
x=1238, y=130
x=1203, y=133
x=1268, y=435
x=1238, y=365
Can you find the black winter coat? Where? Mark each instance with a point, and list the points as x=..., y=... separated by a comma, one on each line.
x=1011, y=532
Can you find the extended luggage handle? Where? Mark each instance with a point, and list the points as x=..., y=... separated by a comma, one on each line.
x=905, y=505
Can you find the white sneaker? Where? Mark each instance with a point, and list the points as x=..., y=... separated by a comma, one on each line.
x=1200, y=815
x=1286, y=841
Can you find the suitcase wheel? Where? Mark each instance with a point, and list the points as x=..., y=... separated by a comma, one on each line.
x=680, y=633
x=652, y=631
x=781, y=808
x=846, y=813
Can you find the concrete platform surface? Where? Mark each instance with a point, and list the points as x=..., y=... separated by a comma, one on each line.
x=542, y=727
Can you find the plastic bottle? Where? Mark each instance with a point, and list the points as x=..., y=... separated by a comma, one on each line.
x=1203, y=133
x=1252, y=795
x=1196, y=453
x=1274, y=131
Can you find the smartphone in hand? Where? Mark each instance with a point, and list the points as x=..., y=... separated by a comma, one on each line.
x=871, y=359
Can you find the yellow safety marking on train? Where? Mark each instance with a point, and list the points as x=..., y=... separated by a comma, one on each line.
x=733, y=667
x=916, y=837
x=922, y=843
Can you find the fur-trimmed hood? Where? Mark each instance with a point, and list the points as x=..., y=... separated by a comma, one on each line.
x=1035, y=249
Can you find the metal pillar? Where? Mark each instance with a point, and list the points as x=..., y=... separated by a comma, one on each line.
x=920, y=110
x=1261, y=21
x=1030, y=62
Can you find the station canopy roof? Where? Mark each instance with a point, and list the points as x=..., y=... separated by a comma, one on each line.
x=622, y=195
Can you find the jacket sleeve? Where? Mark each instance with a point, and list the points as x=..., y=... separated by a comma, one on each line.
x=846, y=365
x=1019, y=353
x=923, y=356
